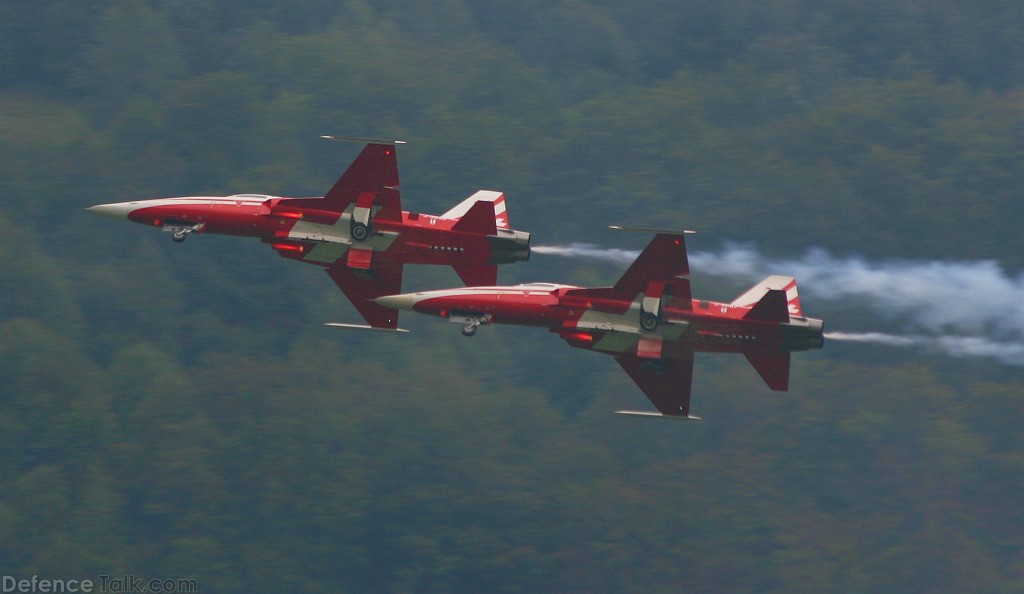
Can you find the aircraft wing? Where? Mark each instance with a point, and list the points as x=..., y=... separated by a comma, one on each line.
x=663, y=261
x=665, y=382
x=374, y=171
x=363, y=286
x=485, y=275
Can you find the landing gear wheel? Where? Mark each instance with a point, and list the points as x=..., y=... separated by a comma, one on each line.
x=360, y=232
x=648, y=321
x=179, y=236
x=469, y=330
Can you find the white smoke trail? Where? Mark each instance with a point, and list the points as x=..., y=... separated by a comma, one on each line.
x=586, y=250
x=1009, y=353
x=963, y=308
x=876, y=338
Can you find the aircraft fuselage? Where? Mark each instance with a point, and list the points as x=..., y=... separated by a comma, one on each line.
x=357, y=231
x=300, y=232
x=610, y=326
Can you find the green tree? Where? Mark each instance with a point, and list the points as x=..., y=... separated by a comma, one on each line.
x=133, y=54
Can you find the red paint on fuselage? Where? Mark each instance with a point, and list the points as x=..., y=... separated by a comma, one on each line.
x=710, y=326
x=526, y=309
x=421, y=239
x=648, y=321
x=243, y=219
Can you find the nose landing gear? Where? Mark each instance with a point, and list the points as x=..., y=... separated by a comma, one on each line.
x=180, y=231
x=470, y=322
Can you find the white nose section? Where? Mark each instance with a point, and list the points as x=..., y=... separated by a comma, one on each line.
x=405, y=301
x=118, y=210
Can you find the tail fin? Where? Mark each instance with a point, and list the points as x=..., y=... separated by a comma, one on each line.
x=497, y=198
x=773, y=299
x=478, y=219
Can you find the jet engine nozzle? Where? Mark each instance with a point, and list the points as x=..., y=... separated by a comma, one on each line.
x=509, y=246
x=803, y=334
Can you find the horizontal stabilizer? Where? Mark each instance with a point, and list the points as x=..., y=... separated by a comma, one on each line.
x=478, y=219
x=772, y=367
x=363, y=327
x=643, y=413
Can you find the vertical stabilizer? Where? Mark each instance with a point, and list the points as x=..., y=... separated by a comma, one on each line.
x=496, y=198
x=785, y=285
x=479, y=219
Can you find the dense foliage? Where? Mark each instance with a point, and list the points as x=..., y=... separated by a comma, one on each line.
x=179, y=411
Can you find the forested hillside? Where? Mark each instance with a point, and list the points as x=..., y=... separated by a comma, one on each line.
x=180, y=411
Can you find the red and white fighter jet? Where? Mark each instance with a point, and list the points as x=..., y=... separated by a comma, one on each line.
x=648, y=321
x=358, y=231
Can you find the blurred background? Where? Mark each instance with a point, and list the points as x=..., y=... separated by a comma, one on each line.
x=180, y=411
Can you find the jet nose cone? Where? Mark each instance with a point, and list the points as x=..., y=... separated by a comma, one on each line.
x=405, y=301
x=118, y=210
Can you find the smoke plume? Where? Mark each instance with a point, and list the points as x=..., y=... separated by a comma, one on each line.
x=963, y=309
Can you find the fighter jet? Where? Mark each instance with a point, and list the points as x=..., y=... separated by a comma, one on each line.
x=358, y=231
x=648, y=321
